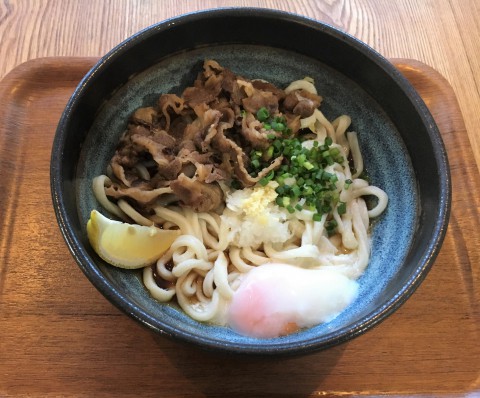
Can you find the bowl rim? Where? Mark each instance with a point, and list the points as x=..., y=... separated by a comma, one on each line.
x=341, y=335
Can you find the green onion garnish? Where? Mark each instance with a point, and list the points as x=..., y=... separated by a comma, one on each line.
x=303, y=182
x=263, y=114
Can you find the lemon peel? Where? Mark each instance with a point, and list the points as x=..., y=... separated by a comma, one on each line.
x=128, y=246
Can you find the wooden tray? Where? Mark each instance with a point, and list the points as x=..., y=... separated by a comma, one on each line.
x=60, y=337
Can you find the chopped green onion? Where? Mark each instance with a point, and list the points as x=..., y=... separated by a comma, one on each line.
x=263, y=181
x=308, y=165
x=286, y=201
x=263, y=114
x=307, y=191
x=326, y=208
x=302, y=180
x=278, y=126
x=326, y=176
x=334, y=152
x=301, y=158
x=332, y=224
x=277, y=144
x=267, y=155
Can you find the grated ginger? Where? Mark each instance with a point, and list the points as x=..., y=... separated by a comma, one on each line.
x=253, y=217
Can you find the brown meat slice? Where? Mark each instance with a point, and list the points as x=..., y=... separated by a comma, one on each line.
x=140, y=195
x=205, y=90
x=200, y=196
x=302, y=103
x=144, y=115
x=252, y=134
x=239, y=159
x=261, y=99
x=209, y=173
x=170, y=105
x=168, y=165
x=201, y=129
x=267, y=86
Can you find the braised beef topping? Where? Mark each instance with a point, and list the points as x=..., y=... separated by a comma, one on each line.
x=191, y=143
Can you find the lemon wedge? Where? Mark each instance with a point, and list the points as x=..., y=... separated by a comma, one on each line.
x=126, y=245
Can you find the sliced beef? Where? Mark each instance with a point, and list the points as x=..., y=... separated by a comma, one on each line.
x=261, y=99
x=141, y=196
x=293, y=122
x=239, y=160
x=146, y=115
x=301, y=103
x=252, y=132
x=168, y=164
x=169, y=105
x=209, y=173
x=200, y=196
x=267, y=86
x=185, y=145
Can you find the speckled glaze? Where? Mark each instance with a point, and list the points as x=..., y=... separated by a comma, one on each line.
x=410, y=165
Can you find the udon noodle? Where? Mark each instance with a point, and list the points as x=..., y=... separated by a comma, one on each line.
x=253, y=223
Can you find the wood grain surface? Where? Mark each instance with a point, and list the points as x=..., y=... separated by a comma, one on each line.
x=444, y=34
x=59, y=337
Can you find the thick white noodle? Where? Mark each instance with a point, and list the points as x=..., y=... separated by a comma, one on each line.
x=256, y=258
x=142, y=171
x=133, y=214
x=157, y=292
x=220, y=277
x=237, y=260
x=306, y=251
x=379, y=193
x=301, y=85
x=98, y=185
x=341, y=124
x=189, y=265
x=356, y=154
x=324, y=122
x=208, y=286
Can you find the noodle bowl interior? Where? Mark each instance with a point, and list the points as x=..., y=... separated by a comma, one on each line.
x=268, y=196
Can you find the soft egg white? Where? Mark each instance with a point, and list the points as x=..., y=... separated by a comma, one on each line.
x=275, y=299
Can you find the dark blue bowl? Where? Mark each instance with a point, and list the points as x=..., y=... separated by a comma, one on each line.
x=402, y=148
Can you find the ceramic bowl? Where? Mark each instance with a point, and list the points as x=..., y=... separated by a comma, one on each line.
x=402, y=149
